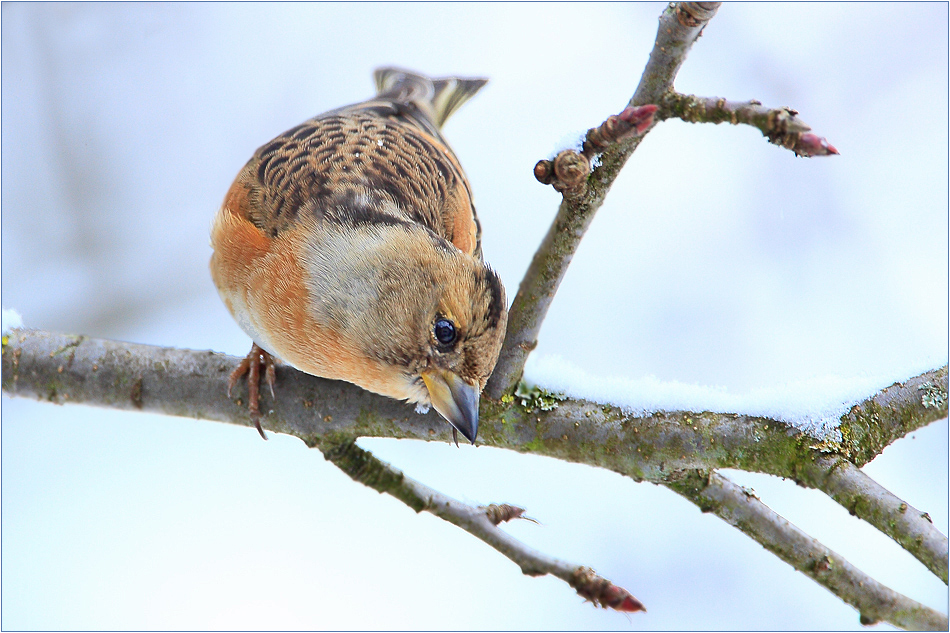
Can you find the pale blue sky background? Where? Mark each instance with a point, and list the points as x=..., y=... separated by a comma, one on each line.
x=718, y=260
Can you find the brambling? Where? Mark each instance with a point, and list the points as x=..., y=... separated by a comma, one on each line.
x=349, y=248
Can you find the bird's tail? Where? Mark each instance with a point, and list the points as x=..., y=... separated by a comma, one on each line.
x=439, y=98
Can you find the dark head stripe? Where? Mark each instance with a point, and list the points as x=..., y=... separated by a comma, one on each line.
x=496, y=304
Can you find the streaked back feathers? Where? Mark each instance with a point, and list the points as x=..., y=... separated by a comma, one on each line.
x=387, y=151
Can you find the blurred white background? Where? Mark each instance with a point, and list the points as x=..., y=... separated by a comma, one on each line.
x=717, y=260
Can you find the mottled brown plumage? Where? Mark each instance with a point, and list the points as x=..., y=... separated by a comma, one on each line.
x=349, y=247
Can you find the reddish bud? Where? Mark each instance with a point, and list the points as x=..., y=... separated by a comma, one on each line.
x=813, y=145
x=620, y=599
x=640, y=117
x=604, y=593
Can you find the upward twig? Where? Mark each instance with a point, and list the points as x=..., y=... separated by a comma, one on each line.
x=680, y=25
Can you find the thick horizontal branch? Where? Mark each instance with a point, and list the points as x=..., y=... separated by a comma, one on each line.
x=781, y=126
x=65, y=368
x=679, y=27
x=363, y=467
x=741, y=509
x=77, y=369
x=62, y=368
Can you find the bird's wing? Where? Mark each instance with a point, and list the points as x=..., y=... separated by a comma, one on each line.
x=382, y=160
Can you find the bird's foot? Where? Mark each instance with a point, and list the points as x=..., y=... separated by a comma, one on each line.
x=251, y=366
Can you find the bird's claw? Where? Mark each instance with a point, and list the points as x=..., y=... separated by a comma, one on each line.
x=251, y=366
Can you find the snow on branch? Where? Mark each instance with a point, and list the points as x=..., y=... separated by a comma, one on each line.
x=64, y=368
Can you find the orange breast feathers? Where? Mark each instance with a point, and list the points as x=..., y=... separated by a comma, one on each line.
x=262, y=282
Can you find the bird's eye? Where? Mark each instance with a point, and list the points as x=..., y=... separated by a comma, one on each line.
x=445, y=332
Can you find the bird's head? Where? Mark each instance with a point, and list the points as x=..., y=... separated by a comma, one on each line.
x=464, y=332
x=446, y=314
x=423, y=320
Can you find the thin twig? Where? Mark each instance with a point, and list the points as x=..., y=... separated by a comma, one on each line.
x=366, y=469
x=868, y=500
x=679, y=27
x=875, y=602
x=781, y=126
x=681, y=24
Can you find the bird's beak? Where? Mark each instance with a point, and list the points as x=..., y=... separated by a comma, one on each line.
x=455, y=399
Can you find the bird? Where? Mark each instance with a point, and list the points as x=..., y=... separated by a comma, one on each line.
x=349, y=248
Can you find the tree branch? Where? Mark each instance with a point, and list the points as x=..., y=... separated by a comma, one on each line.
x=77, y=369
x=680, y=25
x=894, y=412
x=657, y=447
x=66, y=368
x=366, y=469
x=735, y=505
x=781, y=126
x=866, y=499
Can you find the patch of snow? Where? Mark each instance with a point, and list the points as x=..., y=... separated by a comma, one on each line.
x=813, y=405
x=10, y=319
x=572, y=140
